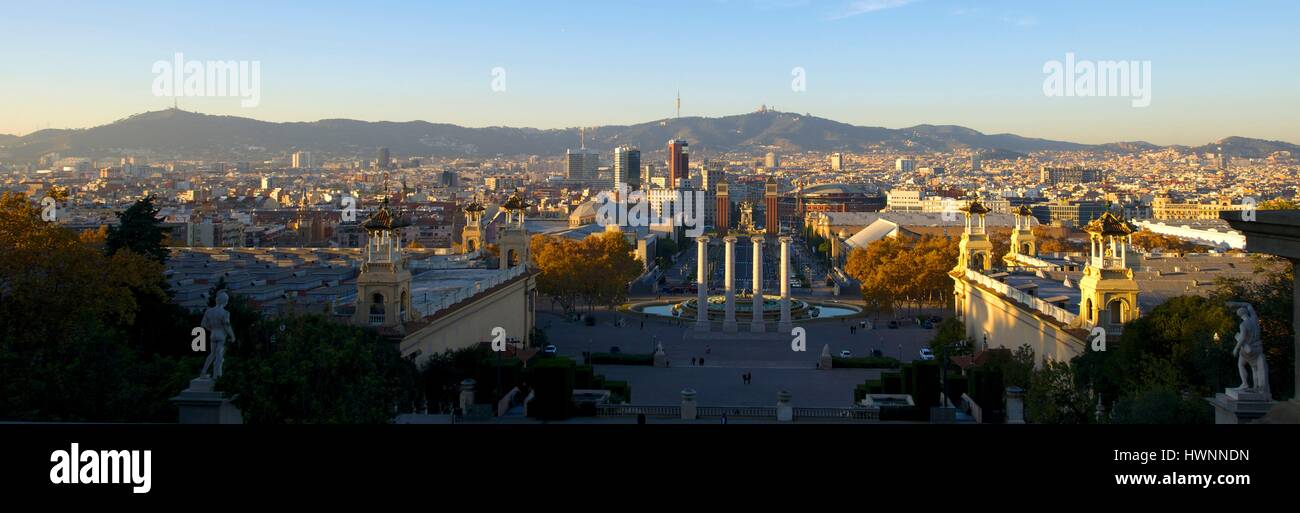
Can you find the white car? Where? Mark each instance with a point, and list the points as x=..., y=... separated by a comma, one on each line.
x=927, y=354
x=549, y=349
x=846, y=354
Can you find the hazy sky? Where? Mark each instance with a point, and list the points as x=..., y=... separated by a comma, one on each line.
x=1219, y=68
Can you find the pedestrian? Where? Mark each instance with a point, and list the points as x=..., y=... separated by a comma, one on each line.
x=701, y=361
x=724, y=418
x=642, y=324
x=692, y=361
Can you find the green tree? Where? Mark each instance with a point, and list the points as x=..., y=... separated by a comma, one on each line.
x=310, y=370
x=140, y=230
x=1055, y=396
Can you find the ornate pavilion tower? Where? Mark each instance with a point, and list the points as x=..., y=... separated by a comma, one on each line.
x=384, y=285
x=976, y=250
x=513, y=237
x=1108, y=292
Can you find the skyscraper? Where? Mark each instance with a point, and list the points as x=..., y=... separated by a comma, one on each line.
x=382, y=160
x=837, y=162
x=772, y=208
x=772, y=160
x=713, y=174
x=302, y=160
x=581, y=164
x=904, y=165
x=678, y=162
x=627, y=168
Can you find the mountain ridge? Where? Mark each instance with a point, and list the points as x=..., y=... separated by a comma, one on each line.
x=174, y=133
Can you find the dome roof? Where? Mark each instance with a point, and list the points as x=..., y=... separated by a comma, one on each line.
x=384, y=219
x=1110, y=224
x=975, y=207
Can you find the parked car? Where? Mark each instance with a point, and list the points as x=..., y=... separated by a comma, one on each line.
x=614, y=350
x=927, y=325
x=549, y=349
x=893, y=325
x=846, y=354
x=927, y=354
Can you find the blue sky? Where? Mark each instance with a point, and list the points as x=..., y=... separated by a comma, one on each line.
x=1219, y=68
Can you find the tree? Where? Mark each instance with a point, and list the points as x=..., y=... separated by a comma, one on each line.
x=1056, y=397
x=895, y=272
x=310, y=370
x=140, y=230
x=70, y=325
x=595, y=270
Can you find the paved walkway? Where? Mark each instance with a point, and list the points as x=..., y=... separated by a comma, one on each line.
x=769, y=357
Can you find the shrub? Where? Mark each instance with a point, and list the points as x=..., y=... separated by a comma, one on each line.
x=552, y=380
x=891, y=383
x=619, y=391
x=925, y=384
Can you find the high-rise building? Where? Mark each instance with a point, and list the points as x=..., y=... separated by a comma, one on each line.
x=772, y=208
x=772, y=160
x=678, y=162
x=449, y=178
x=837, y=161
x=382, y=159
x=723, y=216
x=713, y=174
x=905, y=165
x=581, y=164
x=627, y=168
x=302, y=160
x=976, y=164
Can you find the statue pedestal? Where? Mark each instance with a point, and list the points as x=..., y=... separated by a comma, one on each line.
x=200, y=404
x=660, y=359
x=1239, y=406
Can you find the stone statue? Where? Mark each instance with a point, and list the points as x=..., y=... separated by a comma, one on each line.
x=1250, y=350
x=216, y=321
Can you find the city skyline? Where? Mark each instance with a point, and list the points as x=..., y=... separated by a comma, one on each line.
x=867, y=63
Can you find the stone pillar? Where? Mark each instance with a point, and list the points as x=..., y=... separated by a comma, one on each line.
x=660, y=358
x=1015, y=405
x=729, y=321
x=784, y=410
x=756, y=324
x=688, y=404
x=786, y=325
x=200, y=404
x=466, y=395
x=702, y=282
x=824, y=362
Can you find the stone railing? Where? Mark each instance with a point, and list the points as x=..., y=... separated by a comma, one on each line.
x=854, y=413
x=1064, y=316
x=753, y=412
x=624, y=410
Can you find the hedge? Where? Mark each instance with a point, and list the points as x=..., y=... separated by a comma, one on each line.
x=925, y=385
x=619, y=391
x=552, y=380
x=891, y=383
x=621, y=359
x=865, y=362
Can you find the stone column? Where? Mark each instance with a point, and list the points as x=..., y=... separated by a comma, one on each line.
x=756, y=324
x=784, y=410
x=729, y=322
x=689, y=411
x=1015, y=405
x=702, y=282
x=466, y=395
x=785, y=326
